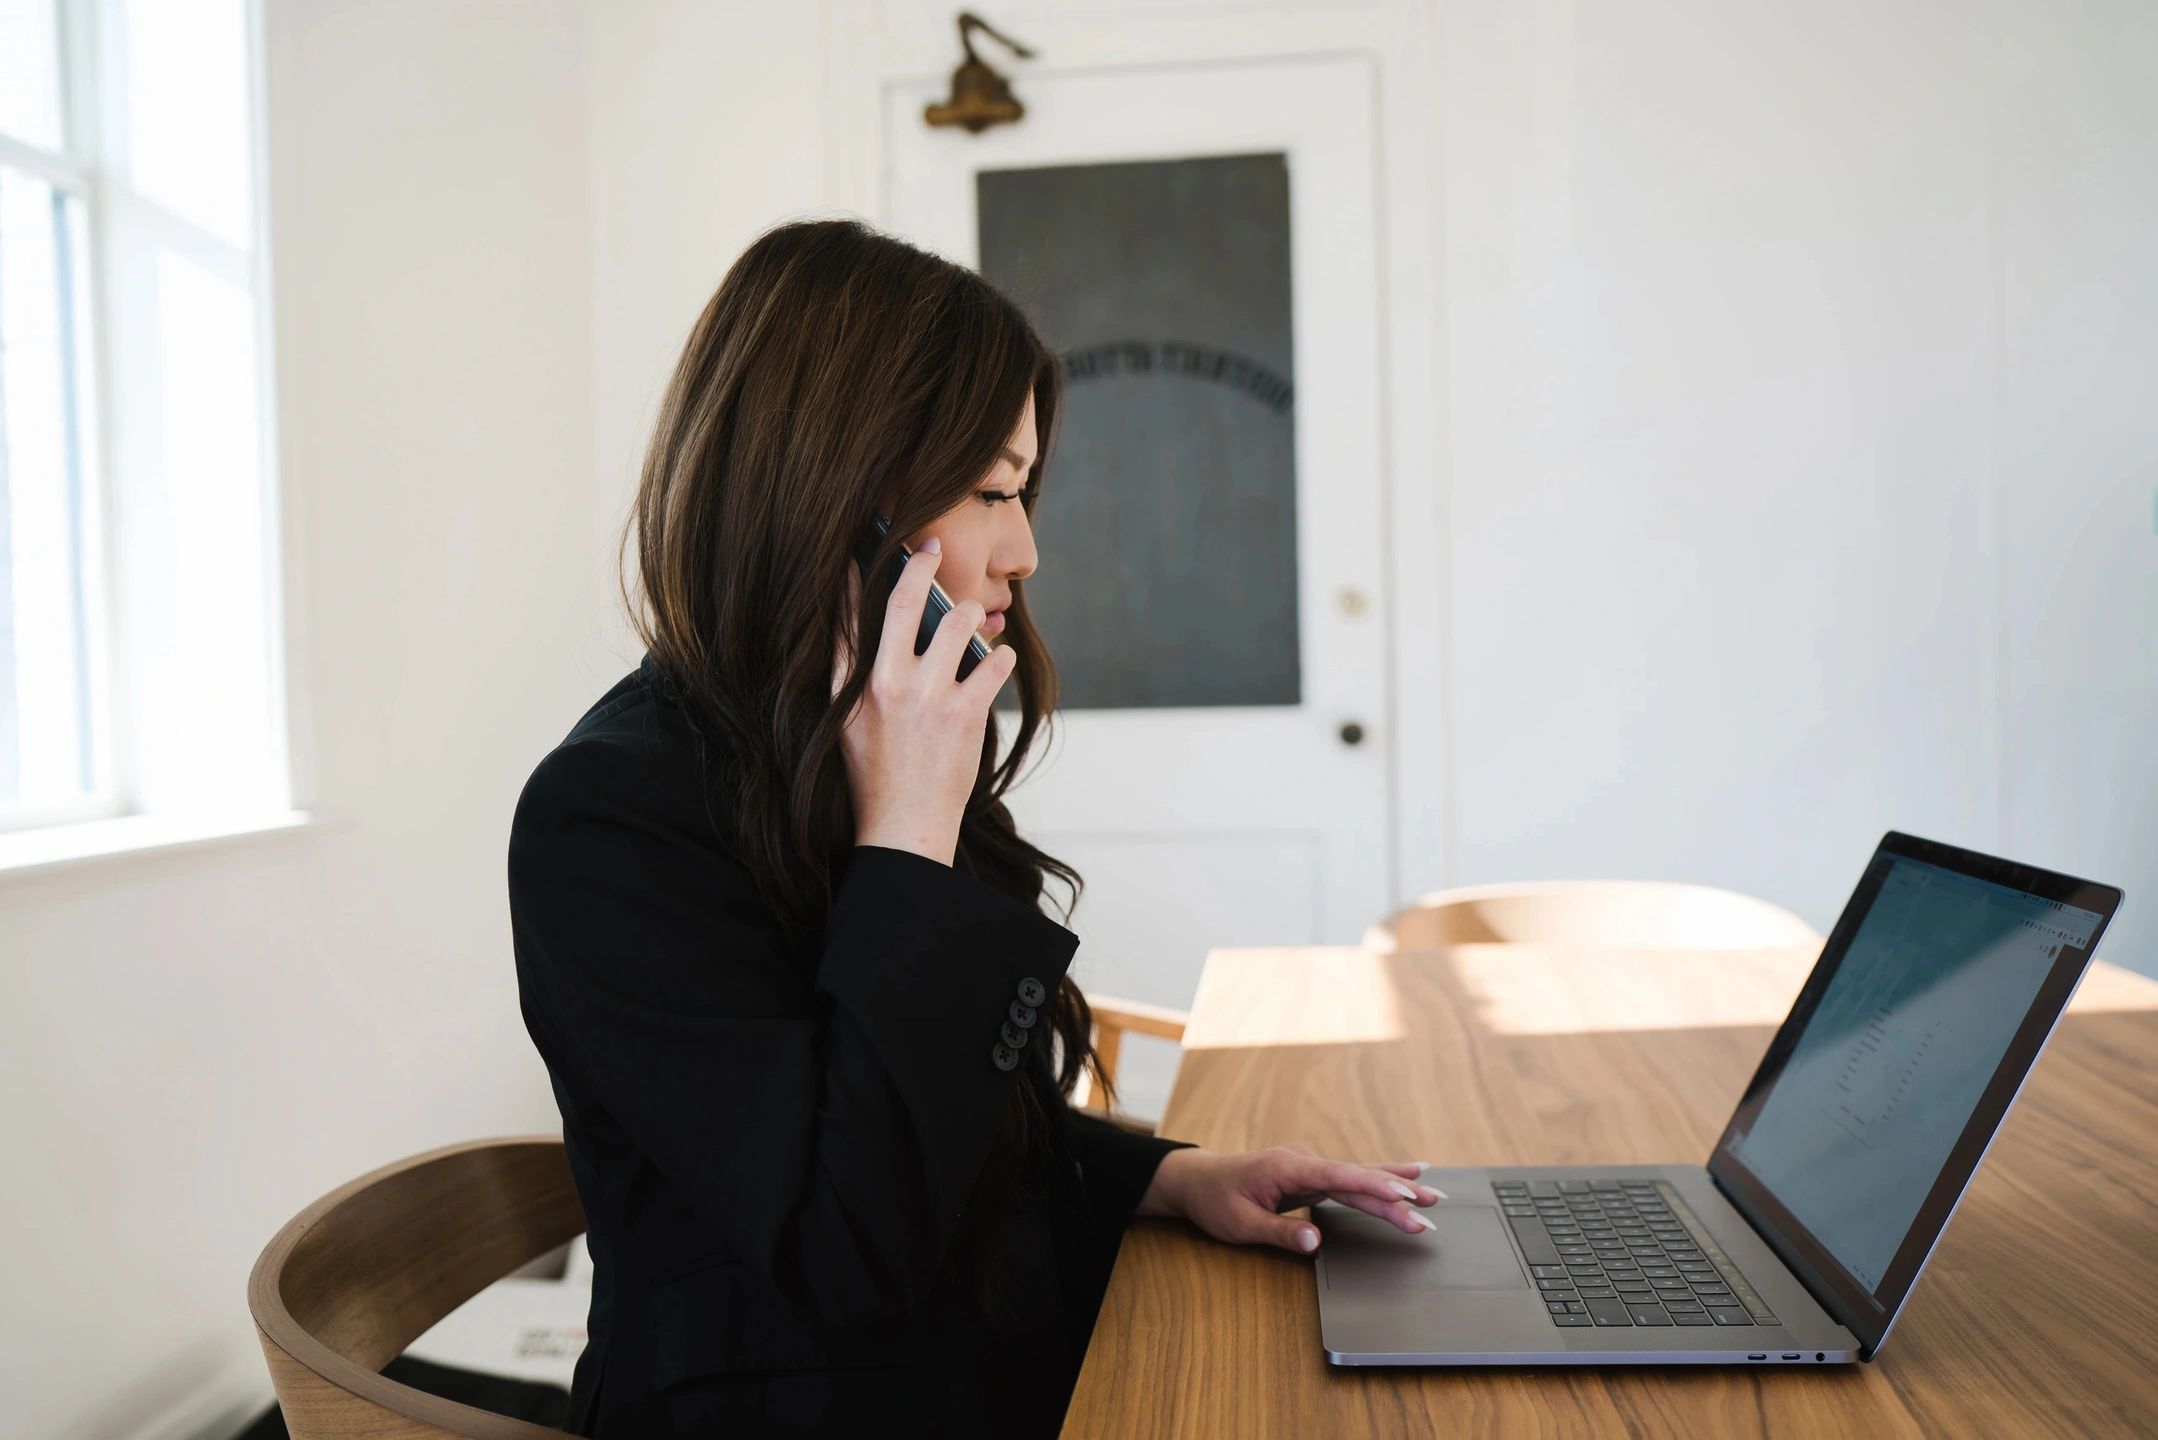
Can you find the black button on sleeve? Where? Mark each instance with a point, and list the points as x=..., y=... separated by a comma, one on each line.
x=1013, y=1035
x=1031, y=991
x=1022, y=1014
x=1005, y=1056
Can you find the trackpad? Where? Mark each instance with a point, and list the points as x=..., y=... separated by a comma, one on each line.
x=1469, y=1251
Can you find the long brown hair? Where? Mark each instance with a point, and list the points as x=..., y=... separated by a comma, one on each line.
x=836, y=371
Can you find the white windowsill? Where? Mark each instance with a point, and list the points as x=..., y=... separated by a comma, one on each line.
x=55, y=847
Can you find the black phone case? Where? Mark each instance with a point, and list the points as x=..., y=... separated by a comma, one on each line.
x=878, y=589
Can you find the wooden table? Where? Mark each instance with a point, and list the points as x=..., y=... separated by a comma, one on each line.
x=2037, y=1315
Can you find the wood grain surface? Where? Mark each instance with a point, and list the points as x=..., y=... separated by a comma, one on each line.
x=2038, y=1314
x=354, y=1278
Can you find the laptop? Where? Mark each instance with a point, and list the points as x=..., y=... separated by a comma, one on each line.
x=1803, y=1235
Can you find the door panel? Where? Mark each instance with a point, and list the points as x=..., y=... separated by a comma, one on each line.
x=1199, y=243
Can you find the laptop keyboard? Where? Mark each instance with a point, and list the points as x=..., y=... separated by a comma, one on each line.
x=1624, y=1252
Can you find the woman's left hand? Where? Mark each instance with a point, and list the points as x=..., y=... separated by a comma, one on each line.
x=1239, y=1197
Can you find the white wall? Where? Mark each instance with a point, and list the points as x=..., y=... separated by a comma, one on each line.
x=1797, y=481
x=1799, y=460
x=706, y=130
x=2075, y=146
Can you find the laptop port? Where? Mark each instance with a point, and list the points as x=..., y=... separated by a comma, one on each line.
x=1792, y=1356
x=1756, y=1357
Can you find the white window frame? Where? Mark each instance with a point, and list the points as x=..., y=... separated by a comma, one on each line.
x=125, y=231
x=72, y=169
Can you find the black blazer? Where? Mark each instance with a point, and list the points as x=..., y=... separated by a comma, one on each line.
x=775, y=1144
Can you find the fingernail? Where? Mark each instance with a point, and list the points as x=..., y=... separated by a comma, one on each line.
x=1402, y=1188
x=1307, y=1238
x=1436, y=1191
x=1424, y=1220
x=933, y=545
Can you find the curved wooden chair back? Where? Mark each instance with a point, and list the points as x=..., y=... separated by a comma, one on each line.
x=354, y=1278
x=1596, y=914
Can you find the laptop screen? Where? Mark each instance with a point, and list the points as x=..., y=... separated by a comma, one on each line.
x=1906, y=1036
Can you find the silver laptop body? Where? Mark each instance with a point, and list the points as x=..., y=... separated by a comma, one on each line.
x=1802, y=1237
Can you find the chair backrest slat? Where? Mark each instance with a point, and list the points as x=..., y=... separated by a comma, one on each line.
x=1614, y=914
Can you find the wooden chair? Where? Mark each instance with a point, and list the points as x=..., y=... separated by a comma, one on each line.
x=1113, y=1020
x=357, y=1276
x=1613, y=914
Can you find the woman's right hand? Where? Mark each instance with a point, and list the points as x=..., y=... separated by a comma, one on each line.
x=913, y=743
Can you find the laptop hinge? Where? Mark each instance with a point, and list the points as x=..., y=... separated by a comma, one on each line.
x=1830, y=1303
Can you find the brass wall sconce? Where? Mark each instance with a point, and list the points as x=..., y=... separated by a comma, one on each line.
x=980, y=96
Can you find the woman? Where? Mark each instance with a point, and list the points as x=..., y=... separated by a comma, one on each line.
x=778, y=940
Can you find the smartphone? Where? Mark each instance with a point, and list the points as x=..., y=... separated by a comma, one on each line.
x=875, y=593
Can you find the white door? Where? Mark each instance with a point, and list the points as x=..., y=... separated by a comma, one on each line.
x=1220, y=778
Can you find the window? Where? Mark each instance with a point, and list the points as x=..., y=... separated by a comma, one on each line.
x=139, y=640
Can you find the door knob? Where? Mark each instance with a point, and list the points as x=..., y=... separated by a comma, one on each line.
x=1352, y=733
